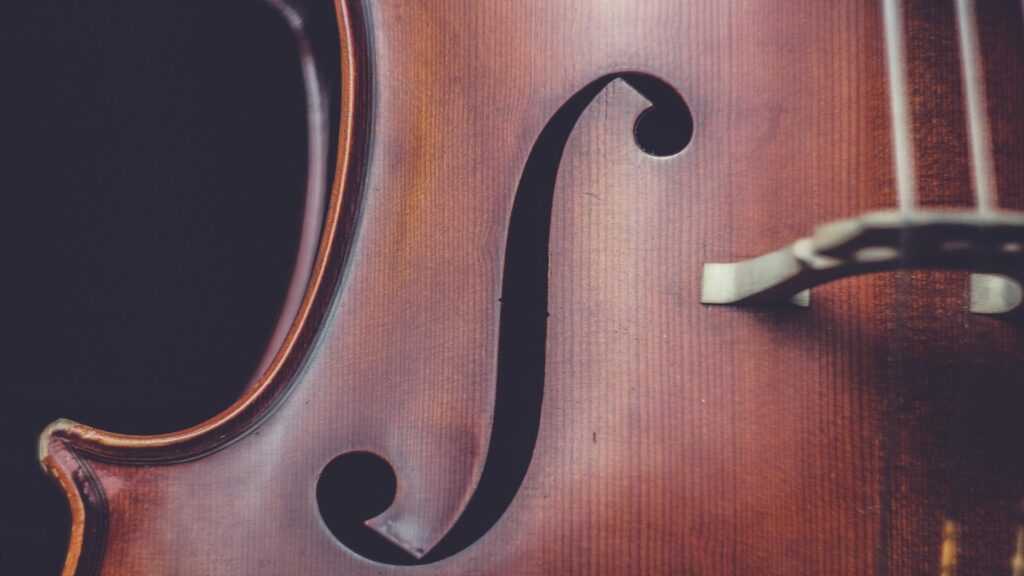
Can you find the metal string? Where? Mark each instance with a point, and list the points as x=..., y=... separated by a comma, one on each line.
x=978, y=128
x=902, y=130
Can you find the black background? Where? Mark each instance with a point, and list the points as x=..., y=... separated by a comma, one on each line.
x=152, y=178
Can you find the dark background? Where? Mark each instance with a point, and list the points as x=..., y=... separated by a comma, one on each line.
x=152, y=175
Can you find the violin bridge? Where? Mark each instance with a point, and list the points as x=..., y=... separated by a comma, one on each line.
x=989, y=244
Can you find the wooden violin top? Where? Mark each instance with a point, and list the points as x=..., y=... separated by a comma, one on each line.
x=500, y=361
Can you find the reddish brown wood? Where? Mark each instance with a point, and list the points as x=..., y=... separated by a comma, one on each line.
x=674, y=438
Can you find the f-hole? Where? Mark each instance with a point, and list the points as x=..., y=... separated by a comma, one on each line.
x=522, y=336
x=664, y=129
x=351, y=489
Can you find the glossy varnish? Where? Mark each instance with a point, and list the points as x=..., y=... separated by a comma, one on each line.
x=673, y=438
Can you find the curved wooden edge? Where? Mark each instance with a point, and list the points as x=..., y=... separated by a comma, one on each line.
x=85, y=496
x=313, y=210
x=63, y=444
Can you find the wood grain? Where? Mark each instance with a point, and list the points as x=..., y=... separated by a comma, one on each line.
x=673, y=438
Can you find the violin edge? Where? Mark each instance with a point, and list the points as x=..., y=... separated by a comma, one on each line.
x=65, y=446
x=84, y=493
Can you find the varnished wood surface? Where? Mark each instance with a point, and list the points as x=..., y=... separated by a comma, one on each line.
x=674, y=438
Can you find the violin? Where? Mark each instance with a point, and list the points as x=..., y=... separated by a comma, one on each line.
x=595, y=287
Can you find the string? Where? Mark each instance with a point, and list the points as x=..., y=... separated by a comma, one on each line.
x=978, y=129
x=906, y=196
x=982, y=166
x=903, y=139
x=982, y=162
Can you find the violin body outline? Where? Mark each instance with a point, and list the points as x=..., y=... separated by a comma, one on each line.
x=667, y=442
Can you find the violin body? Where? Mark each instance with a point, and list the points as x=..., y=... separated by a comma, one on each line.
x=505, y=308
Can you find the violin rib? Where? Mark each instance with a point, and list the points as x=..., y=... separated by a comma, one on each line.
x=65, y=446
